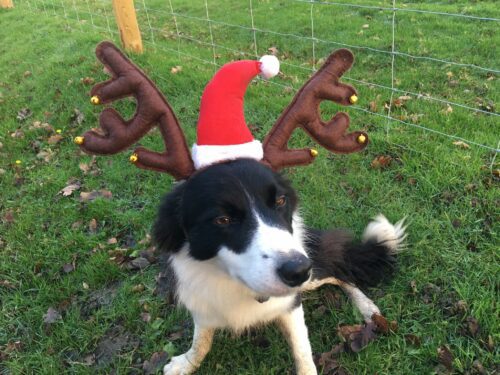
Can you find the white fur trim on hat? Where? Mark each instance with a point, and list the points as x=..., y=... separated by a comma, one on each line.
x=269, y=66
x=206, y=155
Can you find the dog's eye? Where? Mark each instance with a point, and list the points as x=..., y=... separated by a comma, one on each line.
x=222, y=220
x=280, y=201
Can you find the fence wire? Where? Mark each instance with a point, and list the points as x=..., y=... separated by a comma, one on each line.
x=167, y=26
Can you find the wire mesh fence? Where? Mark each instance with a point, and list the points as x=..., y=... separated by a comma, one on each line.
x=426, y=73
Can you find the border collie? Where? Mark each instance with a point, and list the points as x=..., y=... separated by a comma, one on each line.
x=242, y=257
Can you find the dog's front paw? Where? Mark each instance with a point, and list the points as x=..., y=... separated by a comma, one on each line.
x=179, y=365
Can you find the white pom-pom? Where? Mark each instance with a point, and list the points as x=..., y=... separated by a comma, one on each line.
x=269, y=66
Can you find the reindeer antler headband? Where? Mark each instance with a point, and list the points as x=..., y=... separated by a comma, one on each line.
x=222, y=132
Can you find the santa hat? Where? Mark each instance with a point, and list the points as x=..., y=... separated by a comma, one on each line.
x=222, y=132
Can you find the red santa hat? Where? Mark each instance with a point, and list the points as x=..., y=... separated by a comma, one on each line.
x=222, y=132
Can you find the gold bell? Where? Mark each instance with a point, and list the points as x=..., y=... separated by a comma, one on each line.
x=361, y=139
x=313, y=152
x=133, y=158
x=353, y=99
x=95, y=100
x=79, y=140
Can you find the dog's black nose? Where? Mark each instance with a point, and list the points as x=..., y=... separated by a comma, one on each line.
x=295, y=270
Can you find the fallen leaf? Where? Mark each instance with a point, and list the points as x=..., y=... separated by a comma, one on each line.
x=155, y=363
x=146, y=317
x=449, y=74
x=461, y=144
x=51, y=316
x=381, y=161
x=85, y=285
x=8, y=217
x=139, y=263
x=273, y=51
x=472, y=326
x=445, y=357
x=413, y=286
x=365, y=26
x=373, y=106
x=87, y=81
x=328, y=363
x=19, y=134
x=448, y=110
x=13, y=346
x=112, y=241
x=90, y=196
x=413, y=340
x=54, y=139
x=76, y=224
x=68, y=190
x=77, y=117
x=93, y=226
x=138, y=288
x=176, y=69
x=26, y=74
x=7, y=284
x=68, y=267
x=23, y=114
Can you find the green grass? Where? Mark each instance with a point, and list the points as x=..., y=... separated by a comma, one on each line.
x=449, y=194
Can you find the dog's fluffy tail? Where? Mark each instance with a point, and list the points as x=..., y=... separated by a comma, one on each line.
x=365, y=263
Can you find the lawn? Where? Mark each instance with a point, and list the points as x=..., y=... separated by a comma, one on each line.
x=81, y=290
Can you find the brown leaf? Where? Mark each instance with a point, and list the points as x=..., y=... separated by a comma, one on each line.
x=51, y=316
x=45, y=155
x=155, y=363
x=358, y=336
x=8, y=217
x=176, y=69
x=90, y=196
x=138, y=288
x=273, y=50
x=413, y=339
x=54, y=139
x=68, y=267
x=77, y=117
x=87, y=81
x=413, y=286
x=461, y=144
x=112, y=241
x=76, y=224
x=68, y=190
x=93, y=226
x=138, y=263
x=373, y=106
x=23, y=114
x=19, y=134
x=381, y=323
x=327, y=361
x=27, y=74
x=381, y=161
x=146, y=317
x=13, y=346
x=445, y=357
x=7, y=284
x=472, y=326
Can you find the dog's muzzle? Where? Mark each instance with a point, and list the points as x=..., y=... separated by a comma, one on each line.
x=295, y=269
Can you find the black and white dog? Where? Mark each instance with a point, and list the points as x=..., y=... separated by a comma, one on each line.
x=242, y=256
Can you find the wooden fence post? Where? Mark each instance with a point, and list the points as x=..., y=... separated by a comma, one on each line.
x=127, y=24
x=6, y=4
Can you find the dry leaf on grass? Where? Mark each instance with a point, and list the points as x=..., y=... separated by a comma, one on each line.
x=69, y=189
x=155, y=363
x=273, y=50
x=51, y=316
x=176, y=69
x=381, y=161
x=461, y=144
x=54, y=139
x=445, y=357
x=91, y=195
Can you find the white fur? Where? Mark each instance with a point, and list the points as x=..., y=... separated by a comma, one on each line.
x=382, y=231
x=269, y=66
x=221, y=292
x=294, y=328
x=205, y=155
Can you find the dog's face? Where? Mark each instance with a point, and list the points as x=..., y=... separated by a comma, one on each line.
x=242, y=216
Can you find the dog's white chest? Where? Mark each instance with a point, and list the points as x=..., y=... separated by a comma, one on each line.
x=216, y=300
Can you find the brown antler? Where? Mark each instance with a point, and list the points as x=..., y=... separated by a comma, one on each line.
x=303, y=111
x=152, y=108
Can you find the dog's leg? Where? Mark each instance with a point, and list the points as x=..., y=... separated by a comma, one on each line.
x=188, y=362
x=364, y=304
x=294, y=329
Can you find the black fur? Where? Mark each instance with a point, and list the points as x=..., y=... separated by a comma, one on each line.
x=228, y=189
x=335, y=253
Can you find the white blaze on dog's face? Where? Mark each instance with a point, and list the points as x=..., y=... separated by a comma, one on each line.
x=244, y=216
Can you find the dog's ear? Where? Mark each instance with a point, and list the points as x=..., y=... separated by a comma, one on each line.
x=167, y=230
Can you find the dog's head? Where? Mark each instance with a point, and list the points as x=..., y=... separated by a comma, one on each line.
x=243, y=217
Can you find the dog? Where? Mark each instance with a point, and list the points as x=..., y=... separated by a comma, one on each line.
x=241, y=257
x=231, y=228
